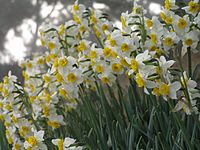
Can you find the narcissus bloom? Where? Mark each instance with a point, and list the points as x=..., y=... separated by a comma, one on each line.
x=35, y=142
x=65, y=144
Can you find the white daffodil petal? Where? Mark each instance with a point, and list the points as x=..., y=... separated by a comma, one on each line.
x=68, y=141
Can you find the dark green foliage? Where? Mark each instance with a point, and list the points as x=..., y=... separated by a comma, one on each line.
x=3, y=142
x=131, y=121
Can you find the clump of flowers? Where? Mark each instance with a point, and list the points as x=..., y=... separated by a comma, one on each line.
x=32, y=112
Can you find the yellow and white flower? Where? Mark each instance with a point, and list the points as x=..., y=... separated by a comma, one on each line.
x=65, y=144
x=169, y=39
x=193, y=7
x=35, y=142
x=181, y=25
x=169, y=90
x=190, y=40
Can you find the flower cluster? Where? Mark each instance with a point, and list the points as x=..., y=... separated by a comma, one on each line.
x=90, y=48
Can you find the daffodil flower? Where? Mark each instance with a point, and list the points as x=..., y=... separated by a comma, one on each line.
x=35, y=142
x=169, y=90
x=192, y=8
x=65, y=144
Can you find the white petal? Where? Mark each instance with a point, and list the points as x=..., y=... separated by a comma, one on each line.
x=42, y=146
x=172, y=94
x=150, y=84
x=195, y=95
x=146, y=91
x=26, y=145
x=178, y=106
x=169, y=63
x=130, y=72
x=175, y=86
x=68, y=141
x=39, y=135
x=55, y=141
x=162, y=59
x=128, y=60
x=191, y=84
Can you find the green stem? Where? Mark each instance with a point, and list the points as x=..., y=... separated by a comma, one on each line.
x=99, y=40
x=189, y=61
x=186, y=92
x=182, y=127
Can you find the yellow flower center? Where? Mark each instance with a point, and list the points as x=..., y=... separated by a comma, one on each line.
x=25, y=129
x=81, y=47
x=139, y=80
x=163, y=16
x=61, y=29
x=104, y=27
x=53, y=56
x=46, y=78
x=123, y=21
x=99, y=69
x=16, y=146
x=32, y=141
x=60, y=144
x=1, y=86
x=6, y=124
x=93, y=19
x=32, y=87
x=71, y=77
x=40, y=61
x=63, y=93
x=29, y=65
x=8, y=107
x=75, y=7
x=32, y=99
x=164, y=89
x=188, y=42
x=193, y=7
x=149, y=23
x=42, y=42
x=114, y=54
x=51, y=45
x=167, y=4
x=153, y=38
x=134, y=65
x=123, y=62
x=105, y=80
x=48, y=58
x=63, y=62
x=107, y=52
x=5, y=80
x=112, y=42
x=10, y=140
x=25, y=75
x=5, y=92
x=152, y=48
x=14, y=119
x=1, y=117
x=93, y=54
x=53, y=124
x=156, y=91
x=59, y=77
x=168, y=41
x=46, y=111
x=47, y=97
x=182, y=23
x=116, y=67
x=137, y=10
x=169, y=20
x=124, y=47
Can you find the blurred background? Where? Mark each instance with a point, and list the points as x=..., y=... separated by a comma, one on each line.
x=21, y=19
